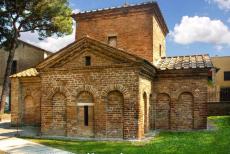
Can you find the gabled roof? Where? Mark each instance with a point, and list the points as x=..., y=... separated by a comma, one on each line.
x=88, y=42
x=185, y=62
x=26, y=73
x=33, y=46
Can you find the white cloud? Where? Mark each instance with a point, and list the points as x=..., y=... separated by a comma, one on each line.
x=223, y=4
x=201, y=29
x=219, y=47
x=76, y=11
x=52, y=44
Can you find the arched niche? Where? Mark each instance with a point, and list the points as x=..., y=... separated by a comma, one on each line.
x=29, y=111
x=59, y=114
x=184, y=111
x=115, y=115
x=162, y=115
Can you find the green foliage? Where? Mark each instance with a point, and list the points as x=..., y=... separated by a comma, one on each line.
x=47, y=17
x=195, y=142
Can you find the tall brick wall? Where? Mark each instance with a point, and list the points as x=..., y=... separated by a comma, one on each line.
x=137, y=29
x=187, y=98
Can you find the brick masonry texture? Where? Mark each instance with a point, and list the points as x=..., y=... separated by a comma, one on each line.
x=181, y=100
x=140, y=39
x=120, y=95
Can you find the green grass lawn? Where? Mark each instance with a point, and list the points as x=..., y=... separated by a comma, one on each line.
x=202, y=142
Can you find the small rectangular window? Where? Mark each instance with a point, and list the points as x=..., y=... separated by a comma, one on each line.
x=14, y=67
x=227, y=76
x=112, y=41
x=86, y=115
x=87, y=61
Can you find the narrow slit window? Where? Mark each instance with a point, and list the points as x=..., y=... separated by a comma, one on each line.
x=86, y=115
x=14, y=67
x=112, y=41
x=87, y=61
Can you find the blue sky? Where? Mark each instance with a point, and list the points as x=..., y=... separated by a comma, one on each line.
x=202, y=25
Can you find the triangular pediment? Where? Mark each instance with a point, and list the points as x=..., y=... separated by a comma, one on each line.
x=101, y=54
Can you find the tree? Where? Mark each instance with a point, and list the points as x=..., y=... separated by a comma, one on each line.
x=47, y=17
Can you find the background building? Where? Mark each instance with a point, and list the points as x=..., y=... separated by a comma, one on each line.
x=26, y=56
x=219, y=90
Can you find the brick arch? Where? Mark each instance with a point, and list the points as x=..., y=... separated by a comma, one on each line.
x=184, y=111
x=61, y=90
x=164, y=90
x=90, y=96
x=87, y=88
x=185, y=89
x=116, y=87
x=163, y=111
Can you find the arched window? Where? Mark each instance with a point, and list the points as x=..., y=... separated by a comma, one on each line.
x=85, y=114
x=115, y=120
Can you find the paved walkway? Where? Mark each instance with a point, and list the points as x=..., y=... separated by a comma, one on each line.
x=12, y=145
x=20, y=146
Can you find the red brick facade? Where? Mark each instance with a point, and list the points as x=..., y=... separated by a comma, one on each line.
x=92, y=90
x=143, y=40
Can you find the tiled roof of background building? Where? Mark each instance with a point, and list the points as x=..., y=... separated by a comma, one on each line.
x=184, y=62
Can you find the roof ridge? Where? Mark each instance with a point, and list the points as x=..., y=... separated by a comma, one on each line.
x=116, y=7
x=205, y=54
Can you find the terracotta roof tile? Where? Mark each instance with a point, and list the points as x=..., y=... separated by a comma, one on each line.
x=185, y=62
x=26, y=73
x=118, y=7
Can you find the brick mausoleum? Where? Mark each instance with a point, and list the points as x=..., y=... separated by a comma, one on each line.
x=114, y=81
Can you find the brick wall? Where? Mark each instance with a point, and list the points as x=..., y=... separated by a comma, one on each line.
x=181, y=100
x=145, y=92
x=158, y=41
x=25, y=106
x=99, y=83
x=137, y=29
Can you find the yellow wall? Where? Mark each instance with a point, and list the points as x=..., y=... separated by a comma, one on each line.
x=223, y=63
